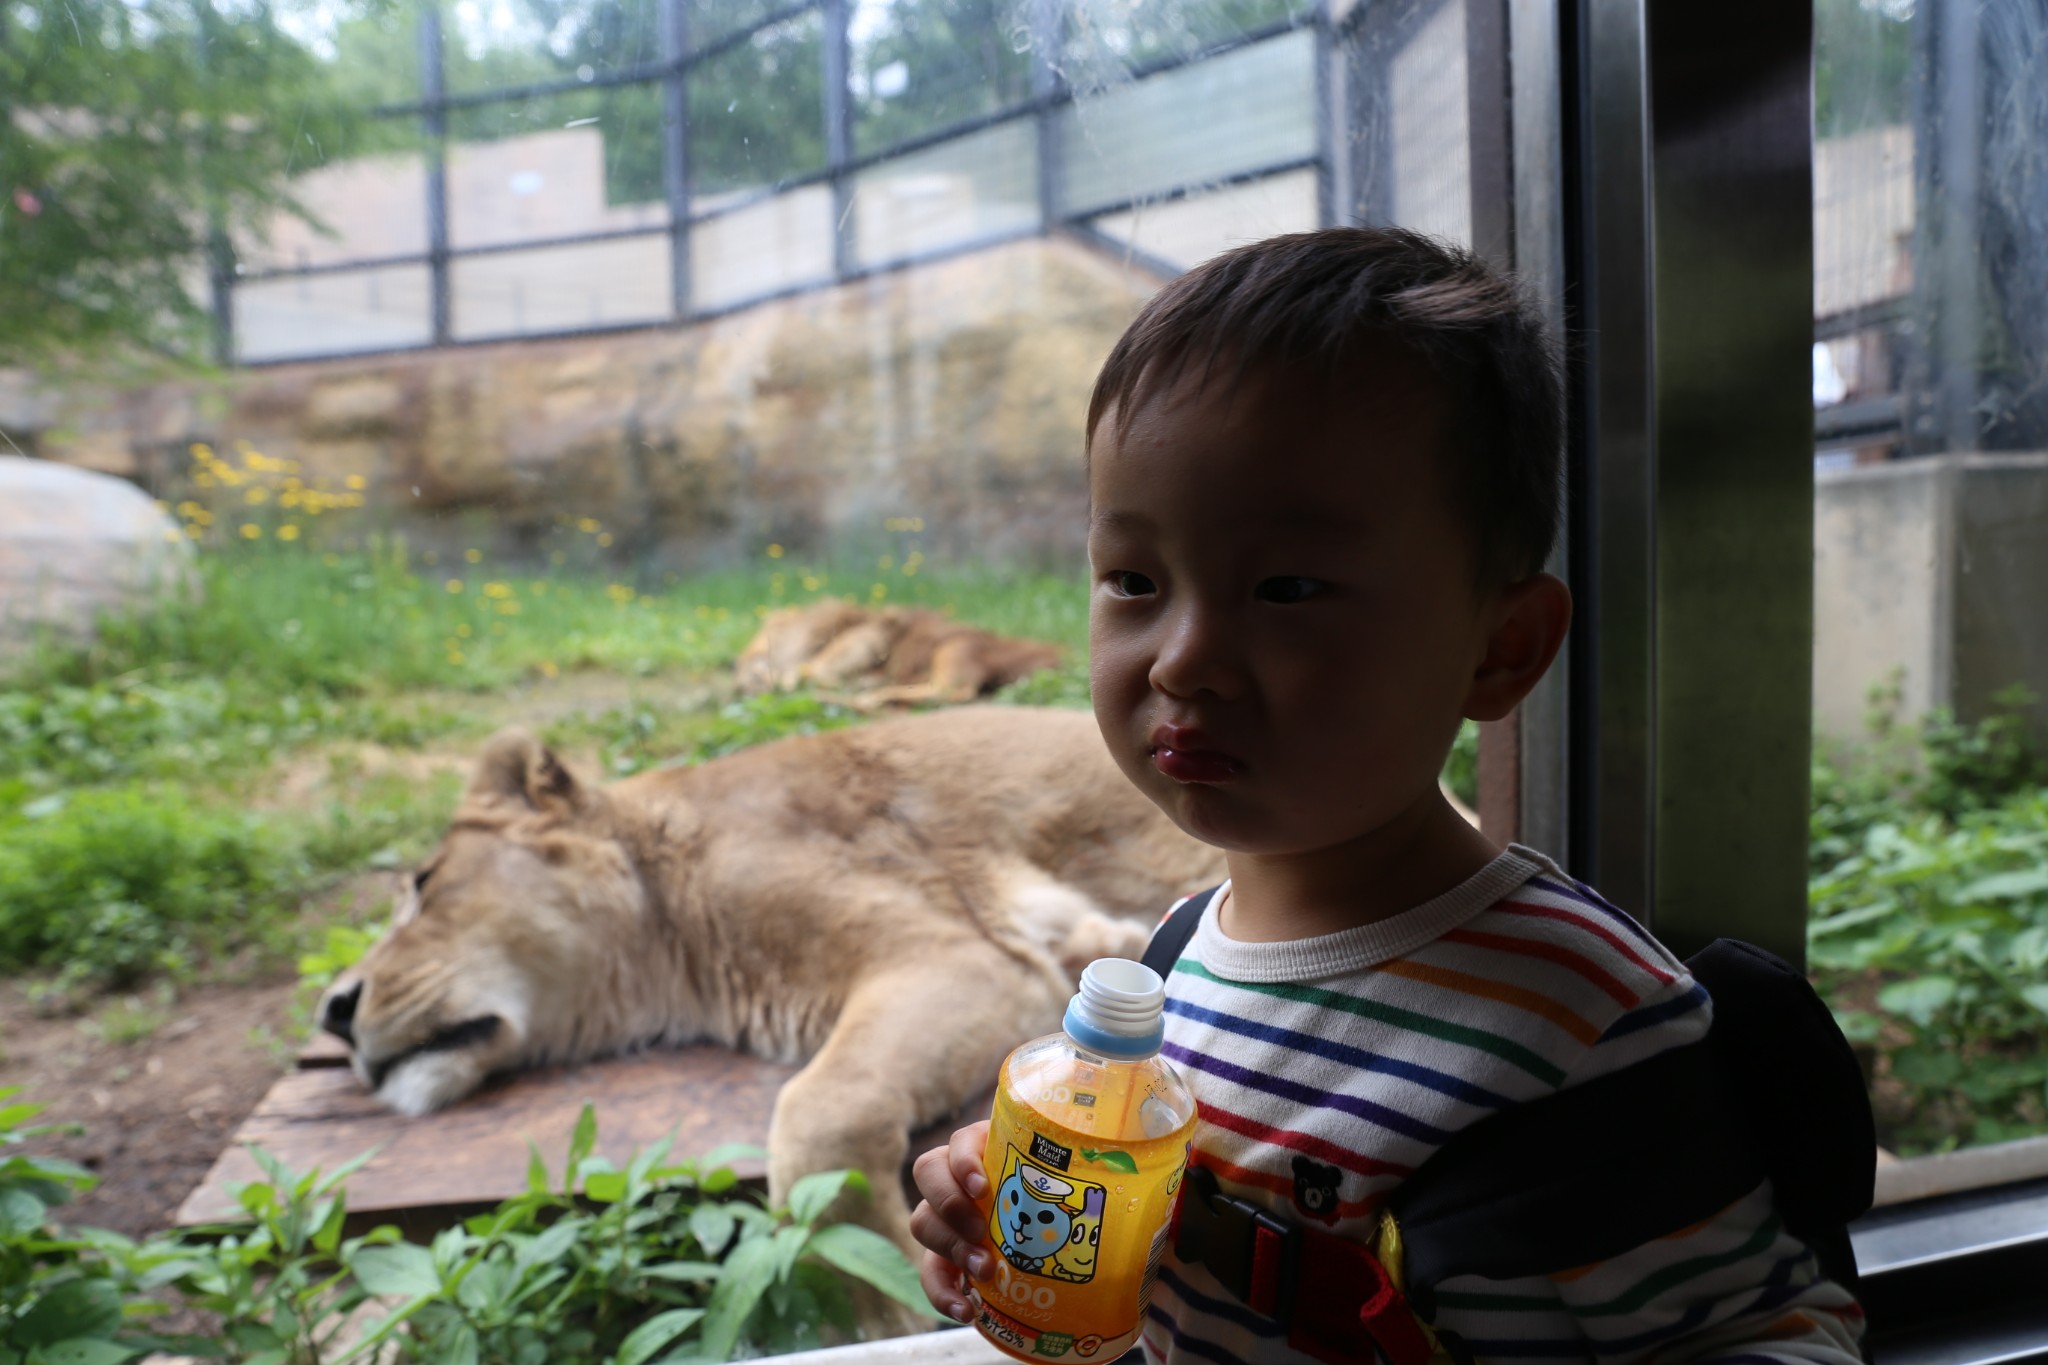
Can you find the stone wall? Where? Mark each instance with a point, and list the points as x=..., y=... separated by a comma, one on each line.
x=1934, y=572
x=953, y=392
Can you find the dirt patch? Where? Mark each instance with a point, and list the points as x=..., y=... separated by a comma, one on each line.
x=156, y=1111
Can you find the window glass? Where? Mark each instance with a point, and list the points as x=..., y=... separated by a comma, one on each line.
x=1929, y=929
x=551, y=166
x=970, y=57
x=757, y=110
x=491, y=44
x=511, y=363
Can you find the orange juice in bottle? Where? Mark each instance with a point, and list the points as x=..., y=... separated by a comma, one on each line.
x=1085, y=1154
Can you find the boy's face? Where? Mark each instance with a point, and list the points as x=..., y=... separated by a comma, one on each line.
x=1285, y=619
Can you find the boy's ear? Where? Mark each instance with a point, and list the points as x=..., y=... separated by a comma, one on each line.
x=1529, y=622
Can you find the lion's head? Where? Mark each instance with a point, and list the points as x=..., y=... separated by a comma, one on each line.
x=507, y=943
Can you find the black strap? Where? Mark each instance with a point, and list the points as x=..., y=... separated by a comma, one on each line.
x=1170, y=939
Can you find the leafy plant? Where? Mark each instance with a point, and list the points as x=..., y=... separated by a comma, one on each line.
x=1928, y=929
x=656, y=1261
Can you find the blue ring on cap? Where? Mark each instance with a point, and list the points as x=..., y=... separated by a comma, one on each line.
x=1112, y=1044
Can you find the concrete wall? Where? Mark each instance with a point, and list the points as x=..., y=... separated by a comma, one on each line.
x=1935, y=570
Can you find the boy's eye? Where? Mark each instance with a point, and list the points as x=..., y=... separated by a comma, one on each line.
x=1287, y=588
x=1128, y=584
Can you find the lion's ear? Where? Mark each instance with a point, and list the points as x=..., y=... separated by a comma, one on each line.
x=516, y=766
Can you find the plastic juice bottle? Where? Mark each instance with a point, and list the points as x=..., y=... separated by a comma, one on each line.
x=1085, y=1154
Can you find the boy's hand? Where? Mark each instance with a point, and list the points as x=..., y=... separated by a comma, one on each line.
x=952, y=1222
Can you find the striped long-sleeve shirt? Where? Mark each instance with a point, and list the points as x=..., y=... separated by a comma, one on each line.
x=1329, y=1068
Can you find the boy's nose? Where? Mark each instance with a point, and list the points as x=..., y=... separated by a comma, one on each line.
x=1199, y=655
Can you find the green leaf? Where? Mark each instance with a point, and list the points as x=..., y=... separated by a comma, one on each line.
x=536, y=1170
x=88, y=1351
x=346, y=1169
x=1115, y=1160
x=2036, y=995
x=2005, y=886
x=1858, y=1026
x=1927, y=1068
x=606, y=1187
x=688, y=1272
x=813, y=1194
x=655, y=1333
x=1920, y=999
x=76, y=1308
x=402, y=1271
x=20, y=1212
x=748, y=1273
x=873, y=1259
x=582, y=1142
x=713, y=1227
x=552, y=1245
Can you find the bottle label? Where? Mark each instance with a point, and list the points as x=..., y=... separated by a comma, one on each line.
x=1078, y=1224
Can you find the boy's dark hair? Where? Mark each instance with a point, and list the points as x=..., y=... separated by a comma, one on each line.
x=1319, y=299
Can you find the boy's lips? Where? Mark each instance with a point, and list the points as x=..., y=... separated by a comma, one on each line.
x=1185, y=754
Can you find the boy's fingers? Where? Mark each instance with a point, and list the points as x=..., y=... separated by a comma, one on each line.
x=963, y=1154
x=940, y=1237
x=943, y=1286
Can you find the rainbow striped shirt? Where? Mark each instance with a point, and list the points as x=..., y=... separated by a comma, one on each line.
x=1329, y=1068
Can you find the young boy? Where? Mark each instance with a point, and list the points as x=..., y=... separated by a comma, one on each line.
x=1323, y=480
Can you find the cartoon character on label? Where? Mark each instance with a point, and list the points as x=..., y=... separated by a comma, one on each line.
x=1031, y=1219
x=1075, y=1261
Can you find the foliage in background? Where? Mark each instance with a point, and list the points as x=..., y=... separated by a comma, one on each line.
x=658, y=1261
x=1928, y=891
x=133, y=128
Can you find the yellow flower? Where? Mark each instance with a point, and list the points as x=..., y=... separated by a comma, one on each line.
x=171, y=535
x=721, y=615
x=604, y=540
x=620, y=593
x=288, y=531
x=473, y=556
x=331, y=560
x=289, y=466
x=812, y=584
x=454, y=585
x=202, y=480
x=703, y=612
x=188, y=509
x=356, y=482
x=587, y=525
x=548, y=669
x=462, y=631
x=761, y=612
x=497, y=590
x=202, y=516
x=878, y=591
x=508, y=607
x=293, y=485
x=455, y=656
x=201, y=451
x=251, y=531
x=194, y=532
x=256, y=496
x=775, y=552
x=540, y=589
x=288, y=498
x=885, y=563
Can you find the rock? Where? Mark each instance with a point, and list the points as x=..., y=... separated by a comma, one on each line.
x=74, y=545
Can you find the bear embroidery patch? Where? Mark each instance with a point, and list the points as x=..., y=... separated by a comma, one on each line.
x=1315, y=1189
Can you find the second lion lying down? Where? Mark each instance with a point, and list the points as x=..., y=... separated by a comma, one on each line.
x=896, y=905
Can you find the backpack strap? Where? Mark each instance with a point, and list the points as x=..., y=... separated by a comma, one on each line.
x=1773, y=1090
x=1170, y=939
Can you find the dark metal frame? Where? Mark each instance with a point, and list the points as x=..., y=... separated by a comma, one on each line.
x=1049, y=95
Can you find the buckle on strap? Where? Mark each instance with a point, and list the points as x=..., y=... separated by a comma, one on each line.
x=1250, y=1252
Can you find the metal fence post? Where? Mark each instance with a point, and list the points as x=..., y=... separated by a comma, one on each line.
x=1047, y=30
x=838, y=101
x=433, y=99
x=675, y=150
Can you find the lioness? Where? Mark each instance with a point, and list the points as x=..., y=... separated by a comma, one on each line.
x=897, y=655
x=900, y=904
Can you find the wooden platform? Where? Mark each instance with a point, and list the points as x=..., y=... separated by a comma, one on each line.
x=475, y=1153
